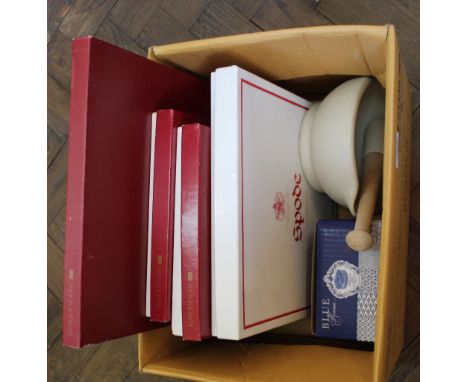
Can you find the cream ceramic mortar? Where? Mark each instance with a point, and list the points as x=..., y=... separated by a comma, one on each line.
x=336, y=135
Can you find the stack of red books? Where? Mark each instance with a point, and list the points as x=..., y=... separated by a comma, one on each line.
x=124, y=114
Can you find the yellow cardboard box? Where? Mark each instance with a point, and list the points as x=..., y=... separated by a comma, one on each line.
x=309, y=61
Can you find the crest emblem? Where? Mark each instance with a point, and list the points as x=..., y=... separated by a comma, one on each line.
x=342, y=279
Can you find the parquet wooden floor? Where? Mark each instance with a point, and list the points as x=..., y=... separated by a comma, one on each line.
x=137, y=24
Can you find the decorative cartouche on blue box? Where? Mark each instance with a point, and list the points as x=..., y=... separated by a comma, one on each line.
x=346, y=290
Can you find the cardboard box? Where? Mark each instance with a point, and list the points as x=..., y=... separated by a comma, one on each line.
x=310, y=62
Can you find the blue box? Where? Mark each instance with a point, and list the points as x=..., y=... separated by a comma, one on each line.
x=346, y=283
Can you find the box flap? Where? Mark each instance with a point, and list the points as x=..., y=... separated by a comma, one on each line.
x=240, y=361
x=286, y=54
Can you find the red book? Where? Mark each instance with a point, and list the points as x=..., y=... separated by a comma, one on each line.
x=196, y=232
x=113, y=93
x=162, y=230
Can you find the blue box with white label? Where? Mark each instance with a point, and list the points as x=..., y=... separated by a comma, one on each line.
x=346, y=289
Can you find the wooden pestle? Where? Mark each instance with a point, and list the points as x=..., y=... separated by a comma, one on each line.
x=360, y=238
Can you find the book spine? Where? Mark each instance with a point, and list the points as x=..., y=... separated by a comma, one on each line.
x=150, y=217
x=196, y=232
x=75, y=194
x=176, y=322
x=163, y=217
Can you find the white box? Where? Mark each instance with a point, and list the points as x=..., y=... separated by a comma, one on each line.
x=263, y=211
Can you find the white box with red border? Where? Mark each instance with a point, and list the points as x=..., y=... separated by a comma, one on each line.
x=263, y=211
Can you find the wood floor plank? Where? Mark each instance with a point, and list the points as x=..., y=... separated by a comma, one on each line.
x=412, y=317
x=110, y=33
x=56, y=184
x=415, y=150
x=54, y=319
x=408, y=363
x=85, y=17
x=59, y=52
x=380, y=12
x=414, y=254
x=54, y=269
x=413, y=375
x=414, y=97
x=131, y=16
x=56, y=11
x=163, y=29
x=186, y=12
x=246, y=7
x=410, y=7
x=220, y=19
x=415, y=203
x=54, y=143
x=277, y=14
x=56, y=228
x=57, y=107
x=113, y=361
x=64, y=364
